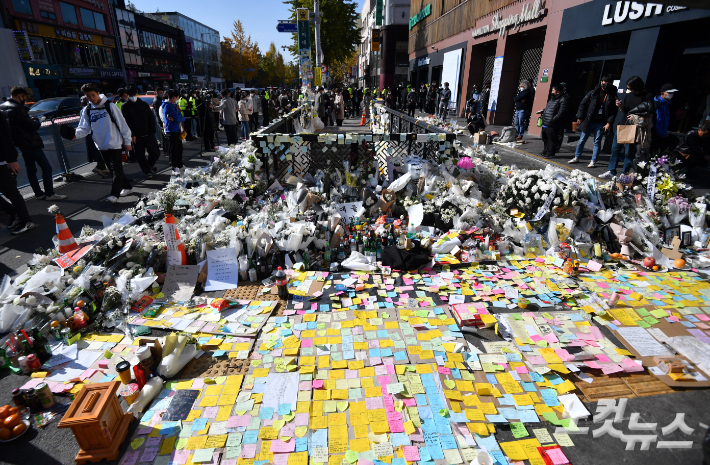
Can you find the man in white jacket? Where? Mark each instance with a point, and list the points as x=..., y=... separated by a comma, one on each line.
x=110, y=134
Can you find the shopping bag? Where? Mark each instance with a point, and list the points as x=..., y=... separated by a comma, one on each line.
x=626, y=134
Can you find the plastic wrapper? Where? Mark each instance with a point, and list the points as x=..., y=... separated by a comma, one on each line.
x=676, y=215
x=151, y=389
x=559, y=231
x=357, y=261
x=696, y=218
x=13, y=316
x=532, y=244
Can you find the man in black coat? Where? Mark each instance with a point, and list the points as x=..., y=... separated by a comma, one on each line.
x=695, y=149
x=596, y=115
x=553, y=117
x=141, y=120
x=523, y=107
x=27, y=139
x=20, y=220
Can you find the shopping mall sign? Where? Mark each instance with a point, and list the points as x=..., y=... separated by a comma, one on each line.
x=419, y=16
x=500, y=24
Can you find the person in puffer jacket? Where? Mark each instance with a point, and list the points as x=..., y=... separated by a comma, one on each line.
x=173, y=118
x=553, y=118
x=104, y=121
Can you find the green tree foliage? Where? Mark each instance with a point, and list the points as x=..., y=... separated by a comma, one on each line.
x=339, y=33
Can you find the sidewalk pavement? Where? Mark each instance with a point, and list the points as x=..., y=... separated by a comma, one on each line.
x=85, y=205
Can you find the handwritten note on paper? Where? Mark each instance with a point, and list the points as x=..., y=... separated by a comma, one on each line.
x=222, y=269
x=281, y=388
x=642, y=342
x=180, y=281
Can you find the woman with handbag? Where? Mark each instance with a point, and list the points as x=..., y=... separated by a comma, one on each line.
x=625, y=135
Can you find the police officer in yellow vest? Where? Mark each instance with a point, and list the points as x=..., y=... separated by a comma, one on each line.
x=123, y=96
x=186, y=109
x=193, y=109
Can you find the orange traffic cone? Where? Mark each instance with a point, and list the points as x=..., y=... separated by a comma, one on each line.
x=67, y=243
x=363, y=121
x=170, y=219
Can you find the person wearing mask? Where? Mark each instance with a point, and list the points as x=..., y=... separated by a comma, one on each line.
x=596, y=115
x=329, y=107
x=474, y=102
x=228, y=111
x=173, y=117
x=339, y=107
x=122, y=97
x=553, y=117
x=157, y=103
x=141, y=121
x=485, y=96
x=636, y=94
x=695, y=149
x=94, y=155
x=319, y=104
x=444, y=100
x=431, y=99
x=111, y=135
x=523, y=107
x=20, y=220
x=661, y=139
x=411, y=101
x=185, y=109
x=243, y=108
x=256, y=105
x=421, y=97
x=27, y=139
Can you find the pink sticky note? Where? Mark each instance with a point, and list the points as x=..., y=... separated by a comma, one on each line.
x=557, y=456
x=152, y=442
x=210, y=412
x=278, y=445
x=411, y=453
x=279, y=459
x=103, y=364
x=602, y=358
x=610, y=368
x=317, y=383
x=132, y=457
x=248, y=451
x=592, y=364
x=198, y=383
x=149, y=454
x=87, y=374
x=521, y=370
x=444, y=370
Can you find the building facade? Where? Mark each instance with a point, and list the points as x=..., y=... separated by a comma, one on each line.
x=203, y=50
x=153, y=50
x=368, y=59
x=501, y=42
x=64, y=44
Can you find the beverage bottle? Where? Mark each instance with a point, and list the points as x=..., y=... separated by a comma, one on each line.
x=306, y=259
x=327, y=252
x=252, y=272
x=380, y=246
x=44, y=351
x=360, y=244
x=4, y=359
x=353, y=245
x=281, y=283
x=341, y=250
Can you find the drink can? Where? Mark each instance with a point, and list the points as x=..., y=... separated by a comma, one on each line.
x=45, y=395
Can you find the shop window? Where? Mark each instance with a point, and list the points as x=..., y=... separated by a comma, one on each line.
x=22, y=6
x=68, y=13
x=87, y=18
x=47, y=14
x=73, y=51
x=99, y=21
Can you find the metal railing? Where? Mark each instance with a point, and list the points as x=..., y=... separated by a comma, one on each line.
x=399, y=123
x=285, y=125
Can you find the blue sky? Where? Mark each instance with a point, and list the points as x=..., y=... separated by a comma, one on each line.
x=258, y=17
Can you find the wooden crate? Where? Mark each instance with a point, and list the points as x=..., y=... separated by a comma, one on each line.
x=646, y=384
x=604, y=387
x=245, y=291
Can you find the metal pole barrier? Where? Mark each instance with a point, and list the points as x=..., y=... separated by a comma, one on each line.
x=62, y=155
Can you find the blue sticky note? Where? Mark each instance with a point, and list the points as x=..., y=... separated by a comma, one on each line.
x=549, y=396
x=218, y=353
x=301, y=444
x=436, y=452
x=527, y=416
x=448, y=441
x=421, y=401
x=319, y=438
x=266, y=413
x=252, y=436
x=284, y=409
x=199, y=424
x=496, y=419
x=401, y=355
x=424, y=454
x=107, y=378
x=399, y=439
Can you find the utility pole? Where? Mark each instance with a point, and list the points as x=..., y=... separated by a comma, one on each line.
x=316, y=7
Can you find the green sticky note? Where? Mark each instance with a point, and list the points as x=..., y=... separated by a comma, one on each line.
x=75, y=338
x=552, y=418
x=108, y=354
x=516, y=316
x=384, y=315
x=203, y=455
x=518, y=430
x=444, y=412
x=569, y=424
x=650, y=320
x=181, y=443
x=643, y=324
x=350, y=456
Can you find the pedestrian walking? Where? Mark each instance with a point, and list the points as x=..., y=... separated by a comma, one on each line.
x=319, y=104
x=552, y=120
x=636, y=94
x=411, y=101
x=339, y=107
x=485, y=96
x=256, y=106
x=431, y=99
x=141, y=121
x=228, y=112
x=444, y=100
x=27, y=139
x=20, y=220
x=243, y=107
x=111, y=135
x=92, y=152
x=523, y=107
x=596, y=114
x=173, y=117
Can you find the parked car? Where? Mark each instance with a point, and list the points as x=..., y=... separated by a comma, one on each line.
x=57, y=107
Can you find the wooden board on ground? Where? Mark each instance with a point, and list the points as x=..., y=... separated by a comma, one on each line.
x=604, y=387
x=245, y=291
x=646, y=384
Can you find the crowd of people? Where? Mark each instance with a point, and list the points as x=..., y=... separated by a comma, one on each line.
x=124, y=131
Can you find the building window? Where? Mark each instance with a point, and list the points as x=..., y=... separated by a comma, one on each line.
x=87, y=18
x=68, y=13
x=22, y=6
x=47, y=15
x=99, y=21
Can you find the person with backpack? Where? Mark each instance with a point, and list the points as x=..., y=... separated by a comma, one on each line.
x=104, y=121
x=141, y=121
x=173, y=117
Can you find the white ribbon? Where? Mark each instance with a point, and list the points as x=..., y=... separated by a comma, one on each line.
x=546, y=206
